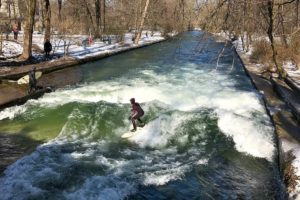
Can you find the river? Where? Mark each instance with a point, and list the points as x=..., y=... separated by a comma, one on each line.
x=207, y=133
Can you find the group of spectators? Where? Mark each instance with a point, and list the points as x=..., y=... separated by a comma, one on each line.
x=7, y=29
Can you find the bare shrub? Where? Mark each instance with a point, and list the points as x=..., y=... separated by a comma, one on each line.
x=261, y=51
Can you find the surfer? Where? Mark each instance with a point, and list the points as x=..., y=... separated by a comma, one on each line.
x=32, y=81
x=136, y=113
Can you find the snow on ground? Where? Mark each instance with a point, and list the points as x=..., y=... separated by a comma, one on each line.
x=292, y=72
x=78, y=45
x=295, y=150
x=11, y=49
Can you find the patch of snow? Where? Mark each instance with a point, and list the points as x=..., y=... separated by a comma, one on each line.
x=78, y=45
x=296, y=165
x=293, y=72
x=291, y=69
x=11, y=49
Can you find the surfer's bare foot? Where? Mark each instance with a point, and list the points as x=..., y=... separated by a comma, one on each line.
x=133, y=130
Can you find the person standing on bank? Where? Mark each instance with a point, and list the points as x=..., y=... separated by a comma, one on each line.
x=7, y=30
x=32, y=81
x=47, y=48
x=16, y=32
x=136, y=113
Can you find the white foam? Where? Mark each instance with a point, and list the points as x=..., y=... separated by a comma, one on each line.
x=250, y=136
x=164, y=176
x=158, y=132
x=186, y=89
x=202, y=162
x=12, y=112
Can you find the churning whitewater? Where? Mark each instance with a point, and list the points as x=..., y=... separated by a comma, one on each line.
x=207, y=134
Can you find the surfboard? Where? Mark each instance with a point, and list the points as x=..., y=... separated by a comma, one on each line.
x=130, y=134
x=25, y=79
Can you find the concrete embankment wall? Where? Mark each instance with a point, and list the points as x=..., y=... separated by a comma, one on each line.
x=277, y=99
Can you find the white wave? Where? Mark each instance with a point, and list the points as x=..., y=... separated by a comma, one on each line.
x=121, y=176
x=158, y=132
x=250, y=136
x=12, y=112
x=185, y=89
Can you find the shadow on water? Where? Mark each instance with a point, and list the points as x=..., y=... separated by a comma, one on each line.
x=15, y=146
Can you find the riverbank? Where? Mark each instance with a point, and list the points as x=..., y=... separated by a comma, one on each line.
x=13, y=94
x=284, y=119
x=56, y=73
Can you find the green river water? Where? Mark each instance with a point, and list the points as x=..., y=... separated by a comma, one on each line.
x=207, y=134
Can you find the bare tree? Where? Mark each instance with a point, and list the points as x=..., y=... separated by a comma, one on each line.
x=297, y=13
x=47, y=17
x=41, y=23
x=140, y=29
x=29, y=21
x=103, y=7
x=89, y=14
x=270, y=8
x=98, y=17
x=59, y=2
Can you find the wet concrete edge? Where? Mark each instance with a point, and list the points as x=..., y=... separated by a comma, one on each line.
x=281, y=157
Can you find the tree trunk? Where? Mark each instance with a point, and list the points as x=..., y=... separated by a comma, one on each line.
x=29, y=21
x=89, y=14
x=297, y=13
x=281, y=20
x=41, y=25
x=138, y=36
x=8, y=9
x=59, y=2
x=103, y=15
x=270, y=7
x=14, y=10
x=47, y=18
x=183, y=14
x=138, y=10
x=98, y=17
x=1, y=40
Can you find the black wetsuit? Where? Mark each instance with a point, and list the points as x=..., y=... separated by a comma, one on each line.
x=32, y=81
x=47, y=48
x=137, y=112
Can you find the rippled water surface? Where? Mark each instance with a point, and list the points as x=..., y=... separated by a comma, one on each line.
x=207, y=134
